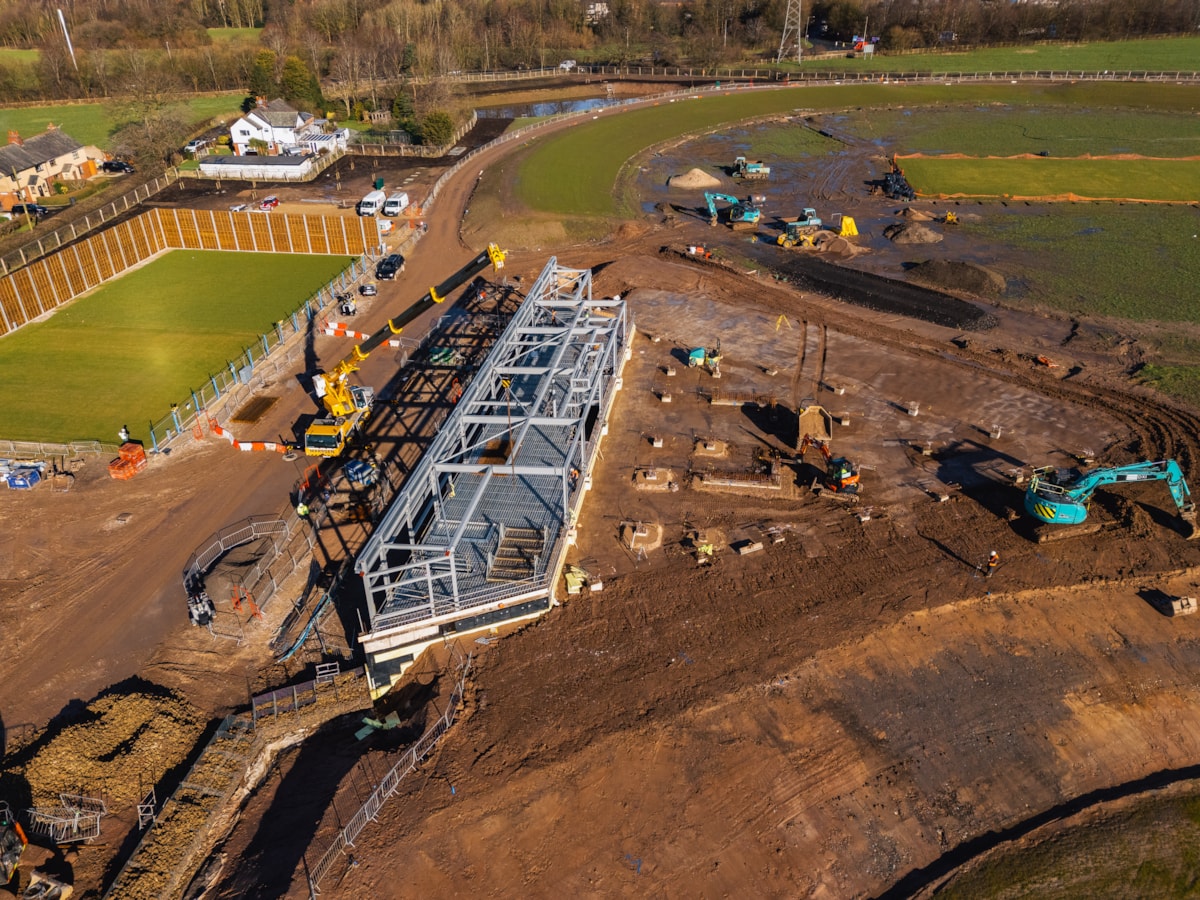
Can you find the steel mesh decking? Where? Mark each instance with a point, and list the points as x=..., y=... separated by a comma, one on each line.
x=479, y=519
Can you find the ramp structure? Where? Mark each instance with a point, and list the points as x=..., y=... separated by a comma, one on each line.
x=477, y=534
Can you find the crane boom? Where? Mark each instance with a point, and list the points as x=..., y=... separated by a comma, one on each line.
x=1066, y=502
x=493, y=256
x=347, y=405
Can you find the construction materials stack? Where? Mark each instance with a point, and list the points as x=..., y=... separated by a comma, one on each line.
x=132, y=459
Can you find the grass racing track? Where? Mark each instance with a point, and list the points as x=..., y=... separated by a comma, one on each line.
x=575, y=173
x=128, y=350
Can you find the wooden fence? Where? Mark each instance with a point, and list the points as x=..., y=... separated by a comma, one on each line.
x=48, y=283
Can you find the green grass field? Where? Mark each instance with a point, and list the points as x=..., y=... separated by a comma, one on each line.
x=1060, y=128
x=1138, y=179
x=225, y=35
x=92, y=123
x=125, y=352
x=1125, y=261
x=574, y=173
x=1146, y=847
x=16, y=55
x=1165, y=55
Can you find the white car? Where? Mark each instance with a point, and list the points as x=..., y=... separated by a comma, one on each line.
x=567, y=65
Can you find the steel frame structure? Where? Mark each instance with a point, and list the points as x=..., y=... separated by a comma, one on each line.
x=513, y=455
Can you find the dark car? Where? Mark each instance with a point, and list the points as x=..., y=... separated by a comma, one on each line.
x=117, y=166
x=35, y=210
x=389, y=266
x=370, y=289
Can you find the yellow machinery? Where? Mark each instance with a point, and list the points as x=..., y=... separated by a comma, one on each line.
x=951, y=218
x=347, y=406
x=849, y=227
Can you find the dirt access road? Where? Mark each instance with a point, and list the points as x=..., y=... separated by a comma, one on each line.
x=822, y=717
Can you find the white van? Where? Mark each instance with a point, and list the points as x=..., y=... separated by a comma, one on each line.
x=396, y=204
x=372, y=203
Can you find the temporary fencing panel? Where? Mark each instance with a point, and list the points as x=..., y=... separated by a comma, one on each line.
x=54, y=280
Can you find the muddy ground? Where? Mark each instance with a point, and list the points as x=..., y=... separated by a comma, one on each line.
x=829, y=716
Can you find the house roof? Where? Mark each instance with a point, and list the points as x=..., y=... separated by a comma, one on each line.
x=278, y=113
x=37, y=150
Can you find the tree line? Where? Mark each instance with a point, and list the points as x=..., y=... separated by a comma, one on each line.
x=356, y=51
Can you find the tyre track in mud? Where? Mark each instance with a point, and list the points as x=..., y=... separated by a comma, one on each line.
x=1159, y=429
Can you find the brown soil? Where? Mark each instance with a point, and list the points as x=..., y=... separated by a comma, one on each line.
x=949, y=275
x=902, y=233
x=823, y=717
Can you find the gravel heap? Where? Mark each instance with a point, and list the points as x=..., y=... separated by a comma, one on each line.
x=124, y=744
x=697, y=179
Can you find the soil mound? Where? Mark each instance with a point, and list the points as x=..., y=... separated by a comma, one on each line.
x=903, y=233
x=958, y=276
x=693, y=180
x=914, y=215
x=835, y=245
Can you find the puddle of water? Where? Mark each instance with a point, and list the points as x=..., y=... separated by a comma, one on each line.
x=548, y=108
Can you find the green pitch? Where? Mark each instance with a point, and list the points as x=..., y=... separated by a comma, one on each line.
x=125, y=352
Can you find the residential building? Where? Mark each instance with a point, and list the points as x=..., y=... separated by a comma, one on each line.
x=281, y=129
x=29, y=168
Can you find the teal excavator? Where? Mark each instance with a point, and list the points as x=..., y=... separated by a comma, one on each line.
x=1064, y=501
x=742, y=215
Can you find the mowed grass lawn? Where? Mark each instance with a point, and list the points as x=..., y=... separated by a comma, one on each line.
x=93, y=123
x=124, y=353
x=1100, y=179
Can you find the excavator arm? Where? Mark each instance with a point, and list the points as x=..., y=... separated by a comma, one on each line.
x=1067, y=503
x=711, y=199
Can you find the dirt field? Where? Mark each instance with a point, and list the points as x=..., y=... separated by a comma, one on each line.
x=832, y=715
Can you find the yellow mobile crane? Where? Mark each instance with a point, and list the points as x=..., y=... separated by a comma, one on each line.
x=347, y=405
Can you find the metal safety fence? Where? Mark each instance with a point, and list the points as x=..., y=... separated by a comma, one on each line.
x=269, y=356
x=388, y=785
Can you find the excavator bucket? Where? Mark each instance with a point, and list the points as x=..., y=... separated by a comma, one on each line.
x=816, y=423
x=849, y=227
x=1188, y=517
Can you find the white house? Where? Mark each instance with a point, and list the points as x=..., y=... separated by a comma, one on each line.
x=276, y=124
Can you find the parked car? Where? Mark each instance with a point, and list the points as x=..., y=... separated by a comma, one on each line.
x=35, y=210
x=269, y=203
x=370, y=289
x=389, y=266
x=195, y=146
x=116, y=166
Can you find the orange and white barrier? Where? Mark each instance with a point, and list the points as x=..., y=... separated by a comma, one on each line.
x=340, y=329
x=247, y=446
